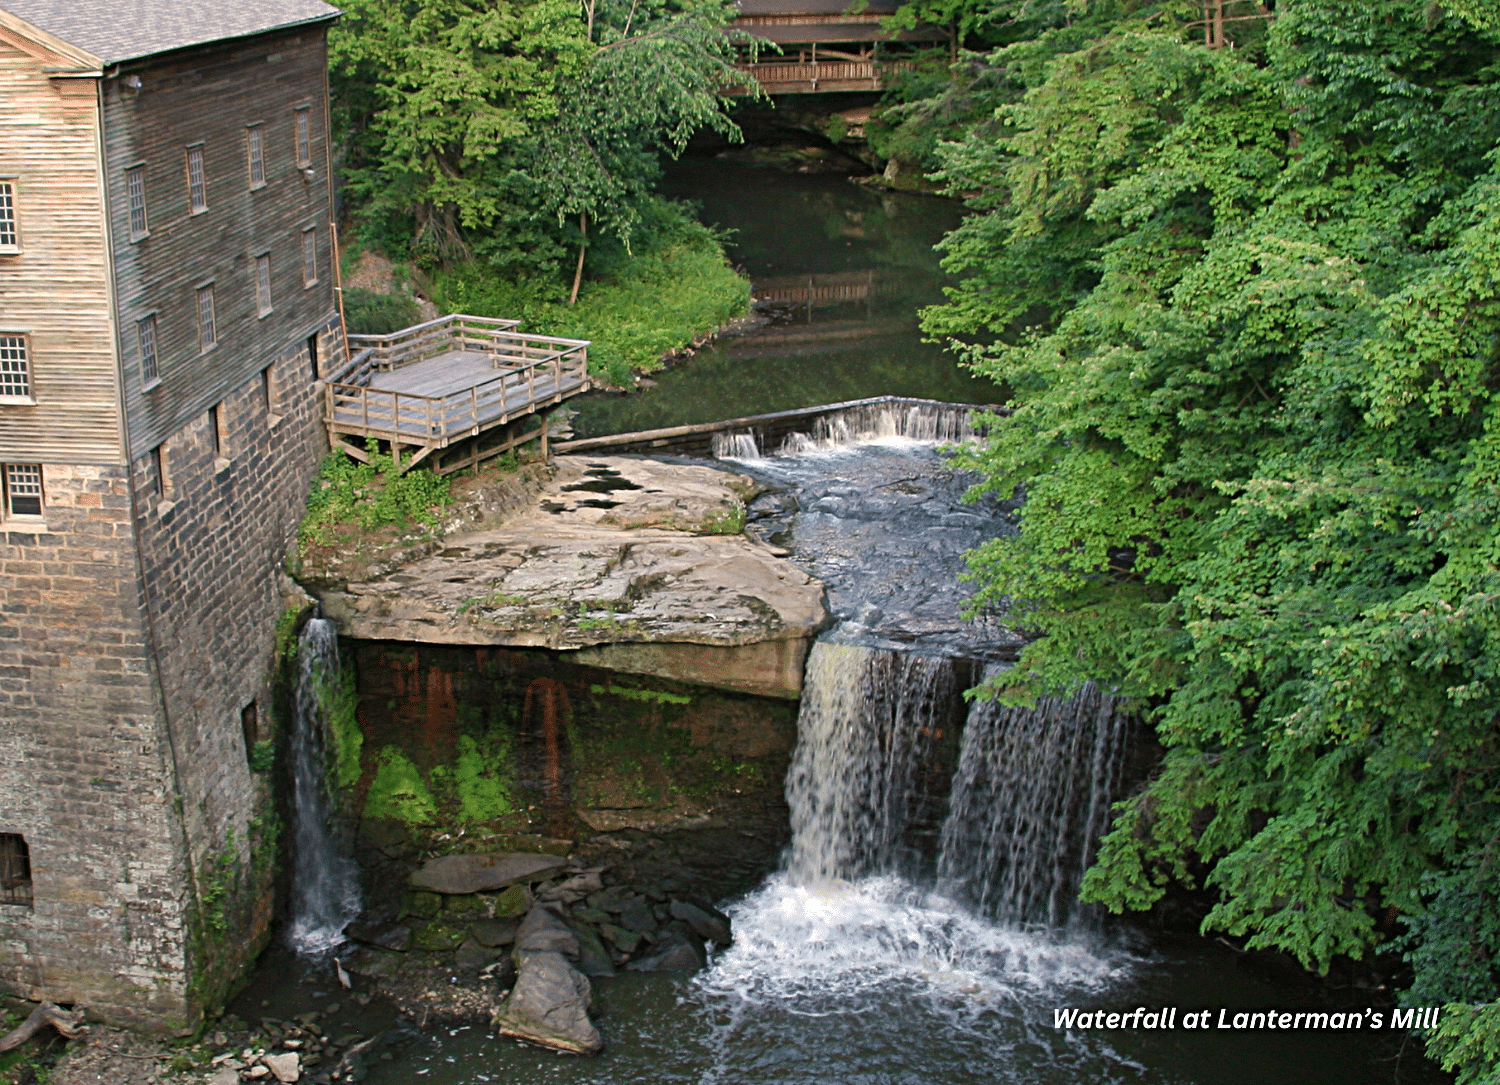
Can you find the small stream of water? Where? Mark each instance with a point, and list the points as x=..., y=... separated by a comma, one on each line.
x=325, y=881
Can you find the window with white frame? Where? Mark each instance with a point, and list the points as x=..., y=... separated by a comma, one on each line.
x=15, y=366
x=309, y=256
x=10, y=235
x=197, y=189
x=255, y=156
x=145, y=341
x=135, y=192
x=263, y=283
x=304, y=137
x=23, y=489
x=207, y=335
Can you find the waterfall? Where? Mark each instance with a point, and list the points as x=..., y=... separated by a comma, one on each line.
x=1030, y=799
x=869, y=720
x=735, y=446
x=325, y=882
x=1025, y=805
x=941, y=423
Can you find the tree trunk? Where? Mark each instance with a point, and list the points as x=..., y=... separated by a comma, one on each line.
x=583, y=226
x=69, y=1024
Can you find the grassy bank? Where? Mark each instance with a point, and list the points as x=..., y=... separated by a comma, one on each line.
x=671, y=287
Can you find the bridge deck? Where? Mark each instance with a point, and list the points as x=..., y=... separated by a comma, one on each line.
x=443, y=382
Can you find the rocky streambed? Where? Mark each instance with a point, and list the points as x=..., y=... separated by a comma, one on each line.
x=512, y=940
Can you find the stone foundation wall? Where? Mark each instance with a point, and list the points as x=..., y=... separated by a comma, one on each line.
x=214, y=534
x=85, y=772
x=137, y=622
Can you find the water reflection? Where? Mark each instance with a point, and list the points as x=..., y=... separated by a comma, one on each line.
x=841, y=269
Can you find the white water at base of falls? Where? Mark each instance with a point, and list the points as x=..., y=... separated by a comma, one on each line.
x=842, y=946
x=325, y=881
x=849, y=925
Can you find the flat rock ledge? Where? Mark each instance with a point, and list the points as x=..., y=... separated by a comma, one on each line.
x=639, y=563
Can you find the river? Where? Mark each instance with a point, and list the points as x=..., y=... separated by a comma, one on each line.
x=865, y=973
x=846, y=269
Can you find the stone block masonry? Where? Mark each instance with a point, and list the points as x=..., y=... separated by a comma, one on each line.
x=136, y=625
x=84, y=770
x=218, y=506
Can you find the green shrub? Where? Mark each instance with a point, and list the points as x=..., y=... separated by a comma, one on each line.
x=636, y=305
x=369, y=313
x=370, y=495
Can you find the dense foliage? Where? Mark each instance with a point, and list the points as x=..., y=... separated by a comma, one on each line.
x=505, y=130
x=1248, y=304
x=371, y=495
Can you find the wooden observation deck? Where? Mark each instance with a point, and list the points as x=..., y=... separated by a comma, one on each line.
x=824, y=47
x=449, y=383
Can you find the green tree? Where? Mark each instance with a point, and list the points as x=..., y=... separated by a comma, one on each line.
x=1248, y=303
x=479, y=128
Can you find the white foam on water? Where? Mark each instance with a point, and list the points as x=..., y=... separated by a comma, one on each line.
x=846, y=947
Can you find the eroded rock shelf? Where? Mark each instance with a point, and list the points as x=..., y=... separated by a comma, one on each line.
x=637, y=564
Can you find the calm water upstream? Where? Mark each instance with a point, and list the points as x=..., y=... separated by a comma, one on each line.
x=847, y=267
x=861, y=972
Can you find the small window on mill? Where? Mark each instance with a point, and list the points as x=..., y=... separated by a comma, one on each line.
x=250, y=725
x=15, y=870
x=255, y=156
x=197, y=191
x=9, y=239
x=304, y=137
x=23, y=489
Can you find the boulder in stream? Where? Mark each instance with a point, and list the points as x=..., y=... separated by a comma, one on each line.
x=675, y=952
x=284, y=1068
x=709, y=924
x=549, y=1005
x=396, y=936
x=477, y=873
x=543, y=932
x=593, y=958
x=494, y=932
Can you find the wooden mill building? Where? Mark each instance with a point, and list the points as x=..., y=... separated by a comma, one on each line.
x=167, y=307
x=824, y=46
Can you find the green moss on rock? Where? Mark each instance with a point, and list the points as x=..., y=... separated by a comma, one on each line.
x=398, y=792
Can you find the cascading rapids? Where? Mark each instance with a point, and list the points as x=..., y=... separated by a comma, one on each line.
x=325, y=882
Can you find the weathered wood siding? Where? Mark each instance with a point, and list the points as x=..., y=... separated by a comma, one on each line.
x=208, y=98
x=56, y=288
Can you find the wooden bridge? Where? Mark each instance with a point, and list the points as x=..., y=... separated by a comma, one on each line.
x=447, y=384
x=825, y=48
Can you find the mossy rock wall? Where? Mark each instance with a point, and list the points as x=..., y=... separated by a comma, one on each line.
x=475, y=748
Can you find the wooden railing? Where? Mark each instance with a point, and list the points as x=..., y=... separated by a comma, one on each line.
x=830, y=72
x=357, y=370
x=456, y=331
x=533, y=369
